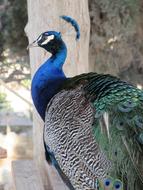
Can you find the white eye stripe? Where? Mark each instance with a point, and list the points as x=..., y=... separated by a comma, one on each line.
x=39, y=38
x=49, y=38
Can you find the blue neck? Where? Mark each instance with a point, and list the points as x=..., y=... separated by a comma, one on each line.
x=48, y=79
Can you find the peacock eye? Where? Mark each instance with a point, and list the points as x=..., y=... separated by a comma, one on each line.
x=107, y=182
x=118, y=185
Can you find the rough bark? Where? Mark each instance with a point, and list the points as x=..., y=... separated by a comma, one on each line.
x=116, y=38
x=43, y=16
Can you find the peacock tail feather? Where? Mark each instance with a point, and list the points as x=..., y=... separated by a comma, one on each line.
x=118, y=123
x=109, y=184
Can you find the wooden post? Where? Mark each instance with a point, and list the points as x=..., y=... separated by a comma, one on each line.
x=26, y=175
x=3, y=153
x=44, y=16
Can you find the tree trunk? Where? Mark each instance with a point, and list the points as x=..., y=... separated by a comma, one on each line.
x=44, y=16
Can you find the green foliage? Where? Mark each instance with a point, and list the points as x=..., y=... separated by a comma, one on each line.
x=4, y=104
x=13, y=21
x=14, y=62
x=26, y=83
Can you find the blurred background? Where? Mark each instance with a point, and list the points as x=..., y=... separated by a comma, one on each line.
x=15, y=99
x=115, y=47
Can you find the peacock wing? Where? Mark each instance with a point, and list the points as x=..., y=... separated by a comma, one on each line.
x=69, y=135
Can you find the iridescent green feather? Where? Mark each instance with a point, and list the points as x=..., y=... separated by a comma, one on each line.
x=123, y=146
x=121, y=136
x=110, y=184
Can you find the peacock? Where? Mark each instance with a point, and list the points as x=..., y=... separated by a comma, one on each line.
x=93, y=131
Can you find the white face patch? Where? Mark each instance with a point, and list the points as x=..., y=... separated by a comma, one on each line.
x=39, y=38
x=49, y=38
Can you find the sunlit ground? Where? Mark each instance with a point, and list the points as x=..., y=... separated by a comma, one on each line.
x=18, y=143
x=19, y=146
x=16, y=103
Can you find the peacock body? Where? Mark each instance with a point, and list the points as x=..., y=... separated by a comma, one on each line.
x=93, y=130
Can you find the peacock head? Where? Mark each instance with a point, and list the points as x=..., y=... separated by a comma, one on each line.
x=50, y=41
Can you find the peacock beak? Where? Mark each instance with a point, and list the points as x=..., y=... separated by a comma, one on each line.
x=33, y=44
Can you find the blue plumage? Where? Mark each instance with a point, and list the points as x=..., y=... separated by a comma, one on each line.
x=93, y=122
x=50, y=76
x=74, y=24
x=46, y=82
